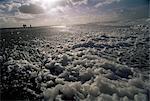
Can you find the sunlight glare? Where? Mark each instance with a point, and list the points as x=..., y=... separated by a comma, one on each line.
x=48, y=3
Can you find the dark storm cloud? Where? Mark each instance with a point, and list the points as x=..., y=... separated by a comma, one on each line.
x=31, y=9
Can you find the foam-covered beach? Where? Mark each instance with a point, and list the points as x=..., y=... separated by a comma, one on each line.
x=108, y=63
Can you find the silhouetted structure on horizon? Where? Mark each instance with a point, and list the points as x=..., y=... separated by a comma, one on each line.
x=24, y=25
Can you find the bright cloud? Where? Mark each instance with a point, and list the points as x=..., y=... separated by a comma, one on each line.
x=105, y=2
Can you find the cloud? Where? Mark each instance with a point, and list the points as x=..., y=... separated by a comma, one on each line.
x=2, y=6
x=105, y=2
x=24, y=16
x=10, y=7
x=31, y=9
x=134, y=12
x=79, y=2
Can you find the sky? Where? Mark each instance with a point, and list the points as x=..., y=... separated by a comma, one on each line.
x=14, y=13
